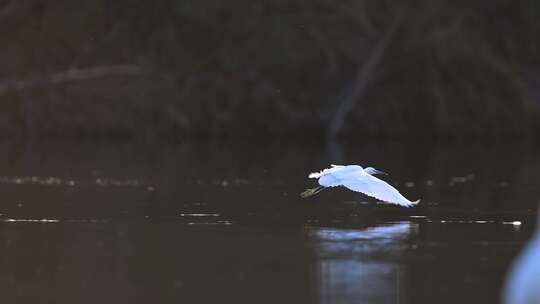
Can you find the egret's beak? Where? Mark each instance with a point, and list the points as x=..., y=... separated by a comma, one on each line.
x=375, y=171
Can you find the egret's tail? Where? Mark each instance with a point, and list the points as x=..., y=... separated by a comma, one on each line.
x=312, y=191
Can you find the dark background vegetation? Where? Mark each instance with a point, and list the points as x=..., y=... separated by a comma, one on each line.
x=317, y=68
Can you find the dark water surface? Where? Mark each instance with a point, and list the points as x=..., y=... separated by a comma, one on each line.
x=224, y=223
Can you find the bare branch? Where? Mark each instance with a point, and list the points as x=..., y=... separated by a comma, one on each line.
x=72, y=75
x=363, y=80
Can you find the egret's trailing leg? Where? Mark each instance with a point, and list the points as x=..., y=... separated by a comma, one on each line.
x=311, y=191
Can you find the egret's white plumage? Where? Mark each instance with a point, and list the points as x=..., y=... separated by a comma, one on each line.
x=523, y=281
x=358, y=179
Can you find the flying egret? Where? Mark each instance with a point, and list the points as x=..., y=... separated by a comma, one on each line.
x=358, y=179
x=523, y=280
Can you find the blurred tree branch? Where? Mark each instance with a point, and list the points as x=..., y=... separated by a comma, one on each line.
x=364, y=77
x=72, y=75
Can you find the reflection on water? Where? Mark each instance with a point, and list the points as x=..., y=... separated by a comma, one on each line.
x=354, y=264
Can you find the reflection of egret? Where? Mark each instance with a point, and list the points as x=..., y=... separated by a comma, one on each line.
x=360, y=264
x=523, y=282
x=383, y=233
x=358, y=179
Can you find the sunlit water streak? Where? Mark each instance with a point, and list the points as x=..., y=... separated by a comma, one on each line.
x=514, y=223
x=30, y=220
x=216, y=223
x=52, y=220
x=199, y=214
x=226, y=182
x=57, y=181
x=25, y=180
x=45, y=220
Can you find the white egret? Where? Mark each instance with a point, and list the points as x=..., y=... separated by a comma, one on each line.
x=358, y=179
x=523, y=280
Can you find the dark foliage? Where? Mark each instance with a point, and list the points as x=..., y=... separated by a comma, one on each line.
x=270, y=68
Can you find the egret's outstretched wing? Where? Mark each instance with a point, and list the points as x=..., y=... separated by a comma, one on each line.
x=378, y=189
x=329, y=180
x=333, y=169
x=336, y=175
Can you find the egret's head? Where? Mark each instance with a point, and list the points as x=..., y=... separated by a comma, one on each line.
x=373, y=171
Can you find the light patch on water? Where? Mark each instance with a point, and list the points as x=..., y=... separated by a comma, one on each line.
x=107, y=182
x=418, y=216
x=240, y=181
x=223, y=183
x=466, y=222
x=217, y=182
x=514, y=223
x=461, y=179
x=25, y=180
x=216, y=223
x=94, y=221
x=199, y=214
x=503, y=184
x=44, y=220
x=429, y=183
x=409, y=184
x=57, y=181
